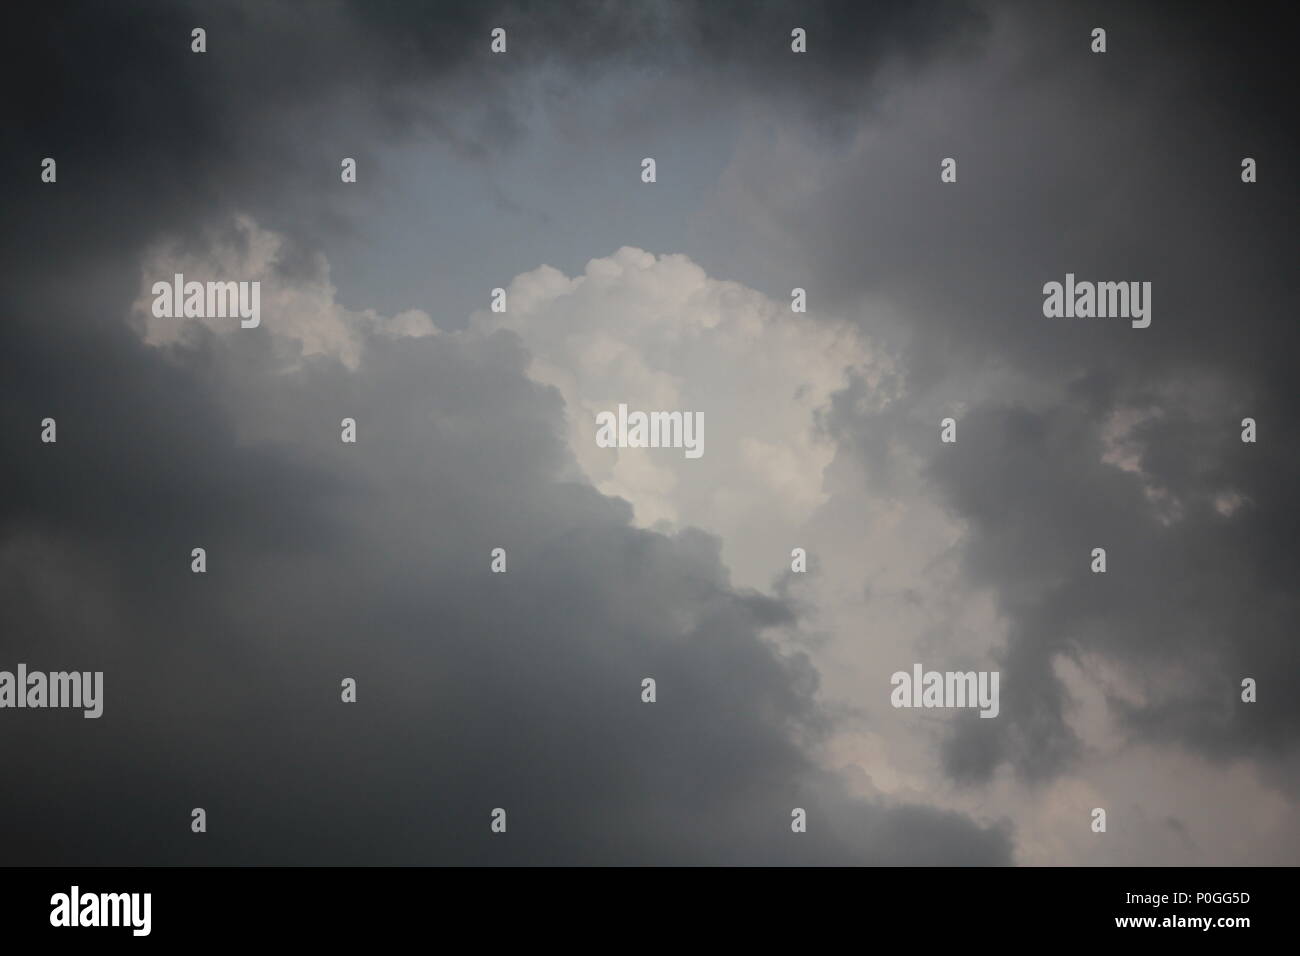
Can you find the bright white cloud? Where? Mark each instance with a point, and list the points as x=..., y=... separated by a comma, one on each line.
x=657, y=333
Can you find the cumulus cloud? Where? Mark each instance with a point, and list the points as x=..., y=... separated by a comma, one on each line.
x=658, y=333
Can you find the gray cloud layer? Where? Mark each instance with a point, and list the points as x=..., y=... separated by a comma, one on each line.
x=371, y=562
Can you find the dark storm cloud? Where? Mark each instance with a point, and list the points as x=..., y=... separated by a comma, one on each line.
x=475, y=690
x=1124, y=166
x=1186, y=609
x=326, y=560
x=150, y=136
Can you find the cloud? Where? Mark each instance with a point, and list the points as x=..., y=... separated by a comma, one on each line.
x=657, y=333
x=1118, y=689
x=296, y=295
x=475, y=690
x=1075, y=434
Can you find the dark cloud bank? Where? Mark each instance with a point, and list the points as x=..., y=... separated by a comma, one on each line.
x=475, y=690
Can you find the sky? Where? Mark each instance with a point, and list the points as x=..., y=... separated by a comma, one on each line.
x=522, y=690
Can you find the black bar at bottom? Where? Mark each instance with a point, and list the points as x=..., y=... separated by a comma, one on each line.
x=667, y=906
